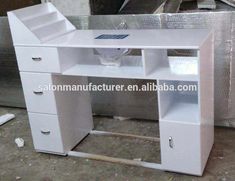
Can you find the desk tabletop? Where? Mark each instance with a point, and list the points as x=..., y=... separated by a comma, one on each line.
x=160, y=38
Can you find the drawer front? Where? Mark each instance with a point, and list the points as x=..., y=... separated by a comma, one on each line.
x=46, y=132
x=37, y=59
x=38, y=100
x=180, y=147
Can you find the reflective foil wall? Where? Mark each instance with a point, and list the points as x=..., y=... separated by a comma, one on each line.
x=143, y=104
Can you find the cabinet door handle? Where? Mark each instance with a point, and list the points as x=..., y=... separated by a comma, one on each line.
x=38, y=92
x=37, y=58
x=171, y=145
x=45, y=132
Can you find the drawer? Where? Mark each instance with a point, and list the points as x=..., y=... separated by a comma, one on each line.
x=180, y=147
x=38, y=59
x=46, y=133
x=38, y=100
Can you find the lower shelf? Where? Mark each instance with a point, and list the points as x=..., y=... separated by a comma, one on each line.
x=165, y=73
x=183, y=113
x=132, y=72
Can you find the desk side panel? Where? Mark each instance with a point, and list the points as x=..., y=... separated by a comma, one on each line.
x=74, y=110
x=206, y=98
x=19, y=32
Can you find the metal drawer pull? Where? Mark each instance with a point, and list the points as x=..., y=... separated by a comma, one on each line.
x=36, y=58
x=38, y=92
x=45, y=132
x=171, y=142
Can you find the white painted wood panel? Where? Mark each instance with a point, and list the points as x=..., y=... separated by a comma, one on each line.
x=206, y=96
x=38, y=59
x=160, y=38
x=46, y=133
x=38, y=100
x=154, y=59
x=185, y=153
x=34, y=27
x=74, y=111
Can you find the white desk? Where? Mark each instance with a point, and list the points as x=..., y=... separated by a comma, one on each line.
x=50, y=50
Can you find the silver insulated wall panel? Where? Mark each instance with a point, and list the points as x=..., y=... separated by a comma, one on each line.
x=11, y=93
x=143, y=104
x=140, y=104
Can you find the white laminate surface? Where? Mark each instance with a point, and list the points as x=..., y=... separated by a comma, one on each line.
x=161, y=38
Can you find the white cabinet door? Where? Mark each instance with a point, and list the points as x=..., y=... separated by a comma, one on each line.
x=46, y=133
x=37, y=99
x=180, y=147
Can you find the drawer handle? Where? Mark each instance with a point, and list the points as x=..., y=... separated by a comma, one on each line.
x=45, y=132
x=38, y=92
x=36, y=58
x=171, y=145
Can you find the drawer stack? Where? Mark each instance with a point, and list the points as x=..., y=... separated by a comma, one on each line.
x=43, y=117
x=58, y=120
x=55, y=128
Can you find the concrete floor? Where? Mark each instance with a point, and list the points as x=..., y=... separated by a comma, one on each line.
x=27, y=165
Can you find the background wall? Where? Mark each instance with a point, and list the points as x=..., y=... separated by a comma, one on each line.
x=6, y=5
x=71, y=7
x=87, y=7
x=135, y=104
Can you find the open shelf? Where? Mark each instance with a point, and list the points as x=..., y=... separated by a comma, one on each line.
x=39, y=23
x=47, y=32
x=134, y=72
x=179, y=106
x=88, y=63
x=41, y=20
x=158, y=64
x=140, y=66
x=166, y=73
x=182, y=112
x=32, y=12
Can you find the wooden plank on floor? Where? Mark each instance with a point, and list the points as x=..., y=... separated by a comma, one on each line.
x=115, y=160
x=155, y=139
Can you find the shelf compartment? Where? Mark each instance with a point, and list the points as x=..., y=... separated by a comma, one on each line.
x=35, y=16
x=47, y=25
x=183, y=65
x=166, y=74
x=158, y=64
x=38, y=24
x=179, y=106
x=154, y=59
x=88, y=64
x=32, y=12
x=182, y=112
x=135, y=72
x=103, y=71
x=41, y=21
x=132, y=66
x=51, y=31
